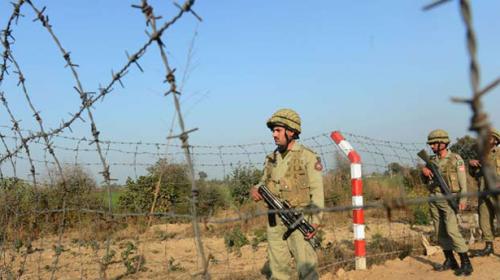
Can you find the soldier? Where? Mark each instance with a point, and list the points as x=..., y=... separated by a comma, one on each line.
x=293, y=173
x=486, y=204
x=445, y=220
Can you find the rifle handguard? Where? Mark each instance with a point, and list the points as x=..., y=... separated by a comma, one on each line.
x=291, y=218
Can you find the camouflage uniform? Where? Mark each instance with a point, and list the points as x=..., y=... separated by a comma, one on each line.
x=452, y=169
x=486, y=206
x=295, y=176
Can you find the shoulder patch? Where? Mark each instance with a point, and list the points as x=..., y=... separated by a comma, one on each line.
x=460, y=164
x=318, y=166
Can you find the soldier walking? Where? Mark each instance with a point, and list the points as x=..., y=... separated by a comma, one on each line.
x=292, y=173
x=452, y=169
x=486, y=207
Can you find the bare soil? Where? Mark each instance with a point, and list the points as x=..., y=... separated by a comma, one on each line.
x=170, y=253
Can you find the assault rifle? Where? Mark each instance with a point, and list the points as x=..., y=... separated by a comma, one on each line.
x=440, y=181
x=292, y=218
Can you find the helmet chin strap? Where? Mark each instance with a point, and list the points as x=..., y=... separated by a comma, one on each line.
x=283, y=148
x=439, y=147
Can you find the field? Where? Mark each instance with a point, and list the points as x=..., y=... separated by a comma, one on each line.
x=167, y=251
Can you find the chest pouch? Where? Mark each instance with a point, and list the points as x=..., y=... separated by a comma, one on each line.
x=297, y=190
x=451, y=176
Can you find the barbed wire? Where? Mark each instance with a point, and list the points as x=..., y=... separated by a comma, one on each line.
x=147, y=10
x=48, y=144
x=389, y=205
x=87, y=100
x=479, y=121
x=377, y=154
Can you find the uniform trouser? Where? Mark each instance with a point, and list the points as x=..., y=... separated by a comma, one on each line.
x=446, y=225
x=280, y=253
x=486, y=211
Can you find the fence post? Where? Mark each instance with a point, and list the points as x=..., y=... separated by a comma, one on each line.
x=357, y=199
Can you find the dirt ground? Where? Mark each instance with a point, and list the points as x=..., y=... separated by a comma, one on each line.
x=169, y=252
x=421, y=267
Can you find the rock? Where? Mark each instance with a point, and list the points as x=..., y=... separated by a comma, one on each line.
x=429, y=250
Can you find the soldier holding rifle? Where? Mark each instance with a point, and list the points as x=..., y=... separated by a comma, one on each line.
x=445, y=172
x=486, y=206
x=292, y=173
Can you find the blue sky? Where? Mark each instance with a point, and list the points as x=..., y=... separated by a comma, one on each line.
x=383, y=69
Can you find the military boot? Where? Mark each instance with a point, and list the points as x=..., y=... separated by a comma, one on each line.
x=465, y=267
x=488, y=250
x=449, y=263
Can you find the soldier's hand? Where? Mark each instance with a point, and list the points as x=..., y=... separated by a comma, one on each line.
x=475, y=163
x=462, y=206
x=254, y=194
x=427, y=172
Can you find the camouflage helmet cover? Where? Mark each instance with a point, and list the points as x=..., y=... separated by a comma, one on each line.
x=287, y=118
x=438, y=136
x=495, y=133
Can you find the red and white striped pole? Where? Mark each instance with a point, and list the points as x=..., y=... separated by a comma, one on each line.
x=357, y=198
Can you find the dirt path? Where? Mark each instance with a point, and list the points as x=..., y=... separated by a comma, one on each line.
x=421, y=267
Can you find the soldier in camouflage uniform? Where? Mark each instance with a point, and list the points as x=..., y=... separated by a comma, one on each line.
x=292, y=173
x=452, y=169
x=486, y=207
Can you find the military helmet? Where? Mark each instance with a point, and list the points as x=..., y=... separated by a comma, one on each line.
x=496, y=134
x=287, y=118
x=438, y=136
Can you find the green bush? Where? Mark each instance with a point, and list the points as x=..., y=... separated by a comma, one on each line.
x=241, y=180
x=421, y=215
x=260, y=235
x=174, y=193
x=211, y=197
x=234, y=240
x=16, y=207
x=466, y=147
x=73, y=189
x=131, y=260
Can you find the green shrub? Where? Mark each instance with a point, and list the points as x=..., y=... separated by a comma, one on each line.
x=73, y=189
x=132, y=262
x=260, y=235
x=211, y=197
x=421, y=215
x=241, y=180
x=234, y=240
x=174, y=193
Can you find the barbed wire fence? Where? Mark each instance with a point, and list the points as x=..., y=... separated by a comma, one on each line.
x=46, y=153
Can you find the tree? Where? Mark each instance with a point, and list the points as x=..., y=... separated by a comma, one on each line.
x=203, y=175
x=395, y=168
x=174, y=189
x=241, y=180
x=466, y=147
